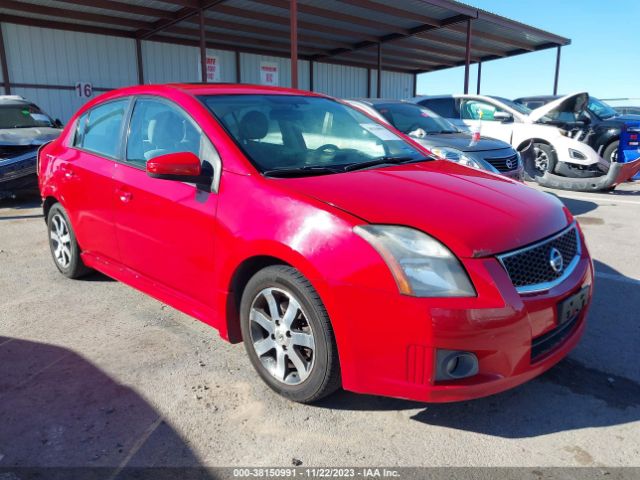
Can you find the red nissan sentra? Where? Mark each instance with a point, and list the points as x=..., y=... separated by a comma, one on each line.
x=338, y=250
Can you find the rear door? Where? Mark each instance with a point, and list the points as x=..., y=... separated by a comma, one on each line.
x=165, y=229
x=85, y=176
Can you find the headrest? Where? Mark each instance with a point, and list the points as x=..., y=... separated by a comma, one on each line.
x=254, y=126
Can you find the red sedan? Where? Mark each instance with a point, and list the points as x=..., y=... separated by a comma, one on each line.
x=338, y=250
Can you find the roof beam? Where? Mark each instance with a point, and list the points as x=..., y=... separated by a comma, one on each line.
x=433, y=38
x=396, y=36
x=176, y=17
x=335, y=16
x=122, y=7
x=302, y=25
x=393, y=11
x=270, y=32
x=493, y=37
x=71, y=14
x=242, y=40
x=71, y=27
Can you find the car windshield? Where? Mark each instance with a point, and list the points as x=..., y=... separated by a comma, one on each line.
x=23, y=116
x=600, y=109
x=515, y=106
x=308, y=135
x=414, y=120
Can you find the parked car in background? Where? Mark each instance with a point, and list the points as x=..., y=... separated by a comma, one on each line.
x=628, y=110
x=23, y=129
x=337, y=249
x=443, y=138
x=589, y=120
x=555, y=151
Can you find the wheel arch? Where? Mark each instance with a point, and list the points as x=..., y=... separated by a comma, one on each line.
x=533, y=140
x=47, y=203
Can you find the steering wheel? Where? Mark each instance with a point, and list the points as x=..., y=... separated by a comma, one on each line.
x=326, y=151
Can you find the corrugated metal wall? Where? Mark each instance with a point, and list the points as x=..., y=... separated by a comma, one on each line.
x=395, y=85
x=340, y=81
x=55, y=57
x=250, y=70
x=43, y=56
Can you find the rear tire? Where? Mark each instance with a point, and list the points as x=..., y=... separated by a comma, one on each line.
x=62, y=241
x=288, y=335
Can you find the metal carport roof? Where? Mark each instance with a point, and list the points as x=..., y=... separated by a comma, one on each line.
x=412, y=36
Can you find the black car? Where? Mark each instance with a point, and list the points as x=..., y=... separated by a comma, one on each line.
x=23, y=129
x=628, y=110
x=589, y=120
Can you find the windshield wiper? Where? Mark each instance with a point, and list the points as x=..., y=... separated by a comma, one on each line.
x=307, y=170
x=390, y=160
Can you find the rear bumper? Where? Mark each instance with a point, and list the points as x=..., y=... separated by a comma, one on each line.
x=390, y=348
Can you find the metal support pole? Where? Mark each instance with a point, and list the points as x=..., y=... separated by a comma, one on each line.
x=238, y=68
x=203, y=49
x=415, y=84
x=555, y=83
x=311, y=69
x=479, y=78
x=467, y=58
x=368, y=83
x=139, y=60
x=293, y=21
x=379, y=85
x=5, y=67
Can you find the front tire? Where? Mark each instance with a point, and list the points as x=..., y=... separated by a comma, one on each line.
x=288, y=335
x=610, y=153
x=545, y=158
x=62, y=241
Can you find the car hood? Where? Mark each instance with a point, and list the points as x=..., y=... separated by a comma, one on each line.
x=576, y=102
x=474, y=213
x=461, y=141
x=28, y=136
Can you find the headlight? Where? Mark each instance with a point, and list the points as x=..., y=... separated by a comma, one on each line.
x=420, y=265
x=456, y=156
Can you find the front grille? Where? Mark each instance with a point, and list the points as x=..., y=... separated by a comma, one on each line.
x=10, y=151
x=504, y=164
x=549, y=341
x=530, y=268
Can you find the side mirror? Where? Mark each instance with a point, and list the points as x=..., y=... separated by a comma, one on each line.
x=181, y=166
x=57, y=123
x=503, y=117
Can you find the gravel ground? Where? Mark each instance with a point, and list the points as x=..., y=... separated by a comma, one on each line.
x=93, y=373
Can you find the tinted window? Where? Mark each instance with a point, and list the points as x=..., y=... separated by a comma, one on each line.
x=410, y=119
x=158, y=128
x=445, y=107
x=23, y=115
x=99, y=130
x=288, y=131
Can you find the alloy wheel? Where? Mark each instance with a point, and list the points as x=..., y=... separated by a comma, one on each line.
x=542, y=160
x=60, y=240
x=281, y=336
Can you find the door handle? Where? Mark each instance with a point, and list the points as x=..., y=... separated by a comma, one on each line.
x=124, y=196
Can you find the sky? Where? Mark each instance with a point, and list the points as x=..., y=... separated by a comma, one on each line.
x=603, y=58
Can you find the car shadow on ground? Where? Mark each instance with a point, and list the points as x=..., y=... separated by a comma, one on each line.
x=597, y=385
x=59, y=410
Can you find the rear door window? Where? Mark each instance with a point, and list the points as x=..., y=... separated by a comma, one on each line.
x=100, y=130
x=445, y=107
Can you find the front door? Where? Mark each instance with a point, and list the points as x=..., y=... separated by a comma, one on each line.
x=165, y=229
x=478, y=114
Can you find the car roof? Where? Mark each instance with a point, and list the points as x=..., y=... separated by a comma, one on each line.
x=538, y=97
x=379, y=101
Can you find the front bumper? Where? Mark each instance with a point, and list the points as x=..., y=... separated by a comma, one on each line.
x=18, y=175
x=390, y=347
